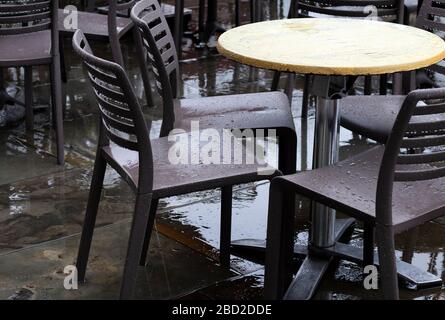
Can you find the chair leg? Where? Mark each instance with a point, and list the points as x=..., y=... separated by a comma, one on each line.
x=150, y=224
x=397, y=83
x=368, y=85
x=201, y=23
x=287, y=151
x=387, y=261
x=293, y=10
x=56, y=94
x=225, y=226
x=275, y=81
x=97, y=180
x=409, y=81
x=237, y=12
x=64, y=78
x=179, y=18
x=90, y=5
x=368, y=244
x=63, y=72
x=2, y=79
x=280, y=240
x=305, y=104
x=142, y=58
x=252, y=11
x=409, y=245
x=383, y=84
x=290, y=84
x=135, y=244
x=28, y=99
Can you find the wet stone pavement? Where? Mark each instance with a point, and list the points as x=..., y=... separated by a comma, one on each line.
x=42, y=204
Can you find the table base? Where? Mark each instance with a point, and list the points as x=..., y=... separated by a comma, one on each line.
x=257, y=248
x=317, y=260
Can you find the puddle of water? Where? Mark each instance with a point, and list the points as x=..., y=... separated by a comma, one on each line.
x=38, y=271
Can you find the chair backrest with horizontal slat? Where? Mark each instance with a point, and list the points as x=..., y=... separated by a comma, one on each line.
x=20, y=17
x=28, y=16
x=387, y=10
x=415, y=149
x=121, y=115
x=157, y=39
x=431, y=17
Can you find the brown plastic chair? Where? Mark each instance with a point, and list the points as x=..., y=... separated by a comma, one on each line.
x=29, y=37
x=175, y=12
x=374, y=116
x=205, y=28
x=110, y=28
x=387, y=10
x=144, y=165
x=386, y=187
x=268, y=110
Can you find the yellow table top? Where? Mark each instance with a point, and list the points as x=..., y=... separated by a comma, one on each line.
x=332, y=46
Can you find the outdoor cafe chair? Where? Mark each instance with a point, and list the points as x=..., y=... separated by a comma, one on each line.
x=124, y=145
x=266, y=110
x=29, y=36
x=374, y=116
x=387, y=10
x=390, y=188
x=109, y=28
x=176, y=11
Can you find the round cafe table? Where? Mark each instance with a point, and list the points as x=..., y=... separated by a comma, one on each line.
x=336, y=51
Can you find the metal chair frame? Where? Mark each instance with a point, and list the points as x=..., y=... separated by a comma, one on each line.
x=399, y=163
x=149, y=174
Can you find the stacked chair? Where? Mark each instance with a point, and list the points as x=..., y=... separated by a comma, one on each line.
x=29, y=36
x=109, y=28
x=144, y=164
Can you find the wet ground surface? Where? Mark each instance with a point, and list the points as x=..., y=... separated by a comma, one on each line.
x=42, y=204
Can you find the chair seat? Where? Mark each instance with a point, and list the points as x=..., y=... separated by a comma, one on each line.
x=241, y=111
x=370, y=116
x=174, y=179
x=374, y=116
x=25, y=49
x=94, y=25
x=350, y=187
